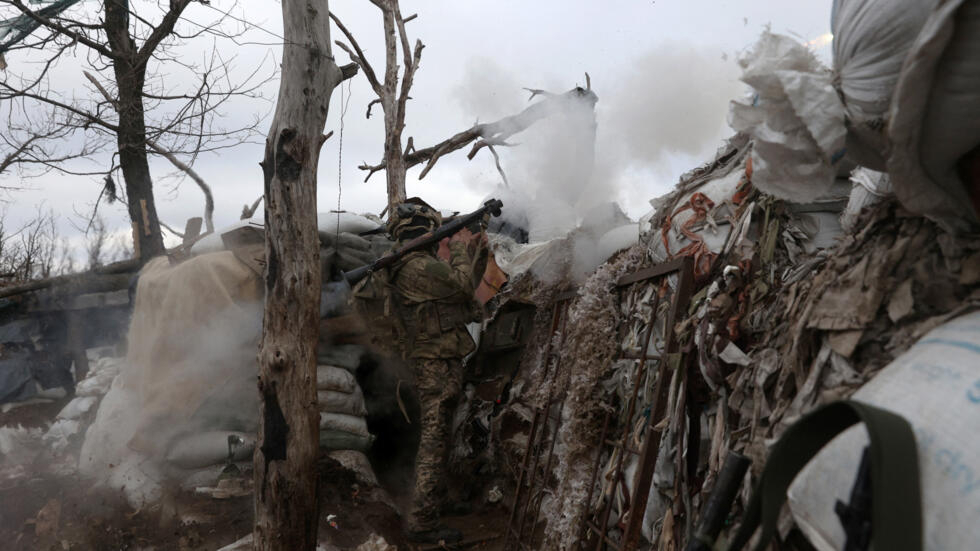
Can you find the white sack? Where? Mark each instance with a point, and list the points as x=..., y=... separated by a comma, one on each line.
x=329, y=377
x=209, y=448
x=349, y=222
x=936, y=387
x=872, y=39
x=795, y=119
x=331, y=401
x=935, y=116
x=869, y=187
x=344, y=423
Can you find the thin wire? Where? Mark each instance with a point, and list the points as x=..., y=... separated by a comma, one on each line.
x=340, y=151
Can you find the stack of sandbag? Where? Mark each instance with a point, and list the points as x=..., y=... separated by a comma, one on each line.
x=348, y=251
x=342, y=411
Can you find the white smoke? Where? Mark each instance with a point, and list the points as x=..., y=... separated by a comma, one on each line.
x=670, y=101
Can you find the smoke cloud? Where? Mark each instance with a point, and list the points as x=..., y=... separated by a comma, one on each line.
x=672, y=101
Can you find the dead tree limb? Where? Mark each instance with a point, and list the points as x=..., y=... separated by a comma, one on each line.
x=489, y=134
x=393, y=90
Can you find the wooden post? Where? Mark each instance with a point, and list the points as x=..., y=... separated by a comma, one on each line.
x=285, y=457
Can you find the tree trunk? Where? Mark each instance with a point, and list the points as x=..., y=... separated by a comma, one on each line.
x=131, y=136
x=285, y=457
x=395, y=161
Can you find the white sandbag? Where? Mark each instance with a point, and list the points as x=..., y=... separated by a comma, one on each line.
x=77, y=407
x=329, y=377
x=210, y=448
x=96, y=384
x=59, y=432
x=934, y=116
x=212, y=242
x=872, y=39
x=344, y=423
x=349, y=403
x=327, y=222
x=618, y=239
x=869, y=187
x=936, y=387
x=795, y=118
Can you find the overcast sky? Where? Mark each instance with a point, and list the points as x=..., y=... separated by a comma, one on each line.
x=663, y=70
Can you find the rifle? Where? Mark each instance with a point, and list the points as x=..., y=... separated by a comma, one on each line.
x=423, y=242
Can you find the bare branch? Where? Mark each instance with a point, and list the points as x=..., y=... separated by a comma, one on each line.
x=205, y=188
x=370, y=104
x=500, y=169
x=490, y=134
x=359, y=57
x=162, y=30
x=248, y=212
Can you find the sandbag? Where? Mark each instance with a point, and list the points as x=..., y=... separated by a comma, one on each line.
x=210, y=448
x=936, y=387
x=340, y=440
x=344, y=423
x=872, y=39
x=327, y=222
x=795, y=119
x=344, y=241
x=334, y=378
x=934, y=117
x=869, y=187
x=347, y=356
x=349, y=403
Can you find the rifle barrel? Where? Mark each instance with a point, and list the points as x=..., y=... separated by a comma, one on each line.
x=492, y=206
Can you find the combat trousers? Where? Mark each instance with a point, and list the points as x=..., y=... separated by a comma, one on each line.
x=438, y=382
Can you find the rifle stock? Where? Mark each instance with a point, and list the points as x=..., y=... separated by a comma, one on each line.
x=492, y=207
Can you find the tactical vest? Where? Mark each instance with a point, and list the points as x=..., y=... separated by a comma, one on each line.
x=374, y=301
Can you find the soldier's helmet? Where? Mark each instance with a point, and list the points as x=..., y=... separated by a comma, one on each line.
x=413, y=216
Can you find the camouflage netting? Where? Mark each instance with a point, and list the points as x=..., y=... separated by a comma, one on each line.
x=776, y=327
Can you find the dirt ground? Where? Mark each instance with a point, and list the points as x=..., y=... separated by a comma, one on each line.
x=44, y=511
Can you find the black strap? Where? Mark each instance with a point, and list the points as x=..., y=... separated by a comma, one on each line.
x=896, y=516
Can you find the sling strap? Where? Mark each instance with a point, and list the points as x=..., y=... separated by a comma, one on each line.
x=896, y=511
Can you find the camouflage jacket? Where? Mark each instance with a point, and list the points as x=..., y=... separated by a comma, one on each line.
x=436, y=302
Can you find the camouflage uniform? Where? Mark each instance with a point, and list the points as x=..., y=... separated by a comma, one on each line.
x=435, y=301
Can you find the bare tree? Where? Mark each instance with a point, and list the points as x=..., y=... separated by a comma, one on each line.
x=135, y=108
x=30, y=251
x=392, y=91
x=285, y=455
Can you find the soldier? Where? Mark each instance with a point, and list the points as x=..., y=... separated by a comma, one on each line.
x=435, y=301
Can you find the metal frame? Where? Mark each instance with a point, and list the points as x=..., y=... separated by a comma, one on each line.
x=528, y=479
x=594, y=534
